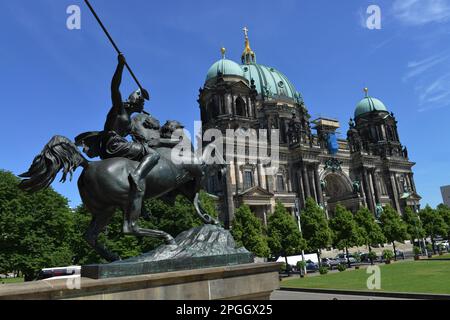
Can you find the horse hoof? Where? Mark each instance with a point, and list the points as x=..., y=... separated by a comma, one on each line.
x=171, y=241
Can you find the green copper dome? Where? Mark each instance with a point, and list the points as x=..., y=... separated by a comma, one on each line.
x=369, y=104
x=224, y=67
x=270, y=82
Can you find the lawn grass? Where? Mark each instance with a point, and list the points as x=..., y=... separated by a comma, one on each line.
x=445, y=256
x=411, y=276
x=11, y=280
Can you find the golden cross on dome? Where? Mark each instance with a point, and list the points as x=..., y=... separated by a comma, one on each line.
x=245, y=32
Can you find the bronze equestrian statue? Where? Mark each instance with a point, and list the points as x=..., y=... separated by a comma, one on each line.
x=129, y=171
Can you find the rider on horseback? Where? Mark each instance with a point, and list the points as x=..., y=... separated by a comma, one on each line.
x=111, y=142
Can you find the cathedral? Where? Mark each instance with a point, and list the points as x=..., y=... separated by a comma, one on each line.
x=370, y=168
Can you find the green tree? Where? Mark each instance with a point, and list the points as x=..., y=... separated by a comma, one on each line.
x=370, y=231
x=346, y=233
x=315, y=228
x=444, y=212
x=284, y=238
x=248, y=231
x=413, y=224
x=393, y=227
x=36, y=230
x=433, y=223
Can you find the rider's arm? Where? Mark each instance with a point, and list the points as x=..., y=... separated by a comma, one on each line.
x=115, y=85
x=118, y=106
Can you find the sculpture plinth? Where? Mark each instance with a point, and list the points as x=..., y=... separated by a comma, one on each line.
x=202, y=247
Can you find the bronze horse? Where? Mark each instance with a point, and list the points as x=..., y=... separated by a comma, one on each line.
x=104, y=186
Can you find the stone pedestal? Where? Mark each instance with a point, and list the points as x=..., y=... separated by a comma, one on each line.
x=246, y=281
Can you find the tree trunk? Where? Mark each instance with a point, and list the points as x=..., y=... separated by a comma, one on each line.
x=395, y=251
x=348, y=258
x=370, y=251
x=318, y=257
x=287, y=265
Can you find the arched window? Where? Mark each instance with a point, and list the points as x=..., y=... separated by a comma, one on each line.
x=213, y=110
x=240, y=107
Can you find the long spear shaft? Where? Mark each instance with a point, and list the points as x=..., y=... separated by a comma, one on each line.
x=144, y=92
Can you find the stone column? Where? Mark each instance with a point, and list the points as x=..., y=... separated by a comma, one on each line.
x=312, y=184
x=395, y=191
x=372, y=187
x=229, y=104
x=363, y=194
x=411, y=181
x=375, y=186
x=301, y=190
x=229, y=200
x=369, y=198
x=319, y=190
x=258, y=172
x=236, y=175
x=306, y=181
x=265, y=208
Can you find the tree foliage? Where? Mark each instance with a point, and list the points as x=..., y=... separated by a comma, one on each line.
x=36, y=230
x=444, y=212
x=346, y=233
x=433, y=222
x=248, y=232
x=315, y=228
x=393, y=227
x=413, y=224
x=284, y=238
x=369, y=230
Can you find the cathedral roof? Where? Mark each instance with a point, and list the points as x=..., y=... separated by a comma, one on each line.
x=369, y=104
x=269, y=82
x=224, y=67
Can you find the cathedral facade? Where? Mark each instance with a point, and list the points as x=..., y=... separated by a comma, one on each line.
x=370, y=168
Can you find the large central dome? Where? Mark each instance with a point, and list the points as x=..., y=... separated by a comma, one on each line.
x=269, y=82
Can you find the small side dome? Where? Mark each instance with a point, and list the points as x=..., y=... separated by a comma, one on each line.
x=224, y=67
x=369, y=104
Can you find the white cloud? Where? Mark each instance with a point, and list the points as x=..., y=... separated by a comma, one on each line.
x=417, y=68
x=436, y=94
x=420, y=12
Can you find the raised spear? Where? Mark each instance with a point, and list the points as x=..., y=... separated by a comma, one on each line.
x=143, y=91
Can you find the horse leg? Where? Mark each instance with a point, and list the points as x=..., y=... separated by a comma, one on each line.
x=98, y=224
x=206, y=218
x=130, y=225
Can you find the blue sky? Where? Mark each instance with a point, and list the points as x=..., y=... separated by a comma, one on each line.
x=56, y=81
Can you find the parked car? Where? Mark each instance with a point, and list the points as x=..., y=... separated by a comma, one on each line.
x=400, y=254
x=49, y=273
x=311, y=266
x=443, y=244
x=342, y=258
x=365, y=257
x=329, y=263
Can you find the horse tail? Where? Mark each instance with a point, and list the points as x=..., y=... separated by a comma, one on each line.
x=59, y=154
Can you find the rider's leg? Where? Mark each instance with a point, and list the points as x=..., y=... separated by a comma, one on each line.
x=146, y=165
